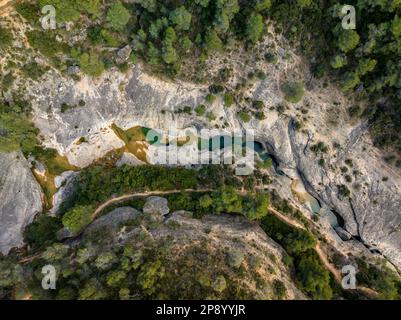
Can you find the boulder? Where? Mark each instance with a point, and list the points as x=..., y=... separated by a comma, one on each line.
x=343, y=234
x=123, y=54
x=114, y=219
x=156, y=205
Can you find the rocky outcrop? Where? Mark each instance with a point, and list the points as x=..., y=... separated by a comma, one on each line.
x=232, y=234
x=65, y=185
x=113, y=220
x=372, y=213
x=140, y=104
x=21, y=199
x=156, y=205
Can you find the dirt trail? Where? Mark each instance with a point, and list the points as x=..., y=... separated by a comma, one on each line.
x=141, y=194
x=323, y=257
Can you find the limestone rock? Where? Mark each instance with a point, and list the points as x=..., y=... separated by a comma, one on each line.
x=129, y=159
x=123, y=54
x=73, y=70
x=343, y=234
x=156, y=205
x=113, y=220
x=21, y=199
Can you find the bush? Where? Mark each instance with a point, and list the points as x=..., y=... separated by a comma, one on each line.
x=200, y=110
x=244, y=116
x=33, y=70
x=210, y=98
x=118, y=16
x=45, y=43
x=319, y=147
x=29, y=11
x=78, y=218
x=228, y=100
x=6, y=37
x=42, y=231
x=17, y=132
x=313, y=276
x=271, y=57
x=338, y=61
x=279, y=289
x=91, y=64
x=293, y=91
x=343, y=191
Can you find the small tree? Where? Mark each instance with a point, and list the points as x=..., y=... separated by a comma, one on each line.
x=77, y=218
x=118, y=16
x=212, y=41
x=338, y=61
x=350, y=80
x=348, y=40
x=228, y=100
x=293, y=91
x=181, y=18
x=254, y=28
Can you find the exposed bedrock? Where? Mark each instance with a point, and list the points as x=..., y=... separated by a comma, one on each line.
x=20, y=199
x=373, y=210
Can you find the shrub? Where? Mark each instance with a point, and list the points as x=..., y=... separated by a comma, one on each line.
x=216, y=89
x=319, y=147
x=338, y=61
x=350, y=80
x=244, y=116
x=29, y=11
x=254, y=28
x=45, y=43
x=91, y=64
x=33, y=70
x=279, y=289
x=78, y=218
x=260, y=115
x=258, y=105
x=293, y=91
x=6, y=37
x=210, y=98
x=343, y=191
x=210, y=115
x=200, y=110
x=228, y=100
x=17, y=132
x=271, y=57
x=42, y=231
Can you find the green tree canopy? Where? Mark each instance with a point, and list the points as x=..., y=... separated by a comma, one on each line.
x=254, y=28
x=181, y=18
x=118, y=16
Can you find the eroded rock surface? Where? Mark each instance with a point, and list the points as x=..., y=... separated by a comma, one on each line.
x=20, y=199
x=137, y=99
x=156, y=205
x=113, y=220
